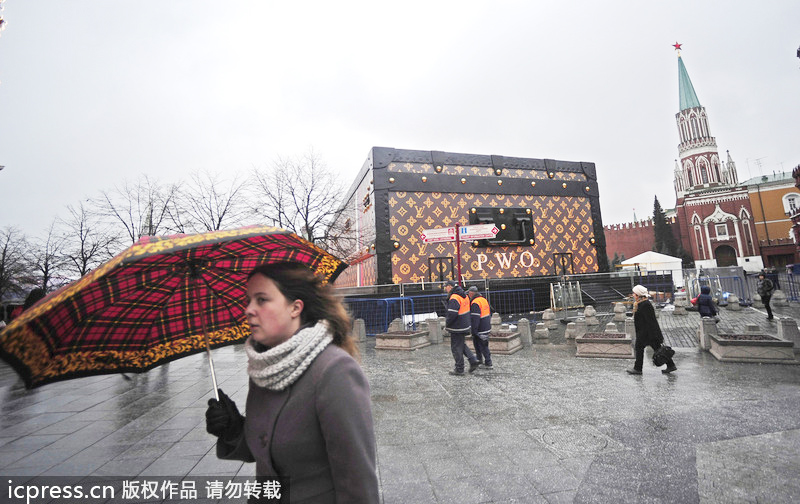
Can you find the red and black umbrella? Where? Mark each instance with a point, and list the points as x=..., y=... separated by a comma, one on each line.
x=161, y=299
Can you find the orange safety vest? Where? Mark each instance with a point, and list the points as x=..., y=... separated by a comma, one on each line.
x=463, y=303
x=483, y=305
x=462, y=323
x=482, y=321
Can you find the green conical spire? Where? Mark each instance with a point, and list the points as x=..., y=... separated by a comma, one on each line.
x=685, y=88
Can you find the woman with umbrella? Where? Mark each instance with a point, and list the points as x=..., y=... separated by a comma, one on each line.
x=309, y=418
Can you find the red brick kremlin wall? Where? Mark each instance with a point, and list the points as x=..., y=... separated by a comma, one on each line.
x=633, y=238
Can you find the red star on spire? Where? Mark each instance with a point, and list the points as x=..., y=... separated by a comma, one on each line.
x=677, y=46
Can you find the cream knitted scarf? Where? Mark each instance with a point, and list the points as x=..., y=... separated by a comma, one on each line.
x=280, y=366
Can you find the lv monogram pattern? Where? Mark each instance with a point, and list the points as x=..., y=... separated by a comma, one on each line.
x=561, y=225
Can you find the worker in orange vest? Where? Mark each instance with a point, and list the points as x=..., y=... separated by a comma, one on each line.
x=458, y=324
x=481, y=316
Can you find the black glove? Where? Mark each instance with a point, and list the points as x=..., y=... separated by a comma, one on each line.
x=223, y=418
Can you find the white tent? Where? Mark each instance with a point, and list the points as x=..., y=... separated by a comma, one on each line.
x=653, y=261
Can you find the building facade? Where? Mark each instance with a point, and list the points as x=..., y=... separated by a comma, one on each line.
x=796, y=215
x=774, y=200
x=547, y=213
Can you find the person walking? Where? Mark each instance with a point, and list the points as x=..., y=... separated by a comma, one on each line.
x=648, y=332
x=309, y=417
x=705, y=303
x=765, y=288
x=481, y=317
x=458, y=324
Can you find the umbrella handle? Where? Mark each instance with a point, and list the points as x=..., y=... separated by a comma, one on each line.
x=208, y=345
x=211, y=366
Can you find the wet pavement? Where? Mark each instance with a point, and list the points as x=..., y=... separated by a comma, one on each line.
x=542, y=427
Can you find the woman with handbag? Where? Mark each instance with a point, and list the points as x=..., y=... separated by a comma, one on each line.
x=648, y=332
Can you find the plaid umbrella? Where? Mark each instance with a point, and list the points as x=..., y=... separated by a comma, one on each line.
x=161, y=299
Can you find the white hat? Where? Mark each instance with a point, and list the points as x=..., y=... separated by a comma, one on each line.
x=641, y=290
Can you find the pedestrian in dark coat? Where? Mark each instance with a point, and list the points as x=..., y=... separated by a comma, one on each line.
x=705, y=303
x=308, y=419
x=765, y=288
x=648, y=332
x=481, y=318
x=458, y=325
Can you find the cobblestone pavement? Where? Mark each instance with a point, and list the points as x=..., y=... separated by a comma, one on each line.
x=542, y=427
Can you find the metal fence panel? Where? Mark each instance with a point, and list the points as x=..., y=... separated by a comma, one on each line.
x=378, y=313
x=792, y=293
x=374, y=312
x=512, y=302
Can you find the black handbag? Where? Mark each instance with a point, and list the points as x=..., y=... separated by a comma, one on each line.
x=661, y=355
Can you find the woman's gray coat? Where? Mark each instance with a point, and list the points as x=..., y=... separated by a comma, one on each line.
x=318, y=432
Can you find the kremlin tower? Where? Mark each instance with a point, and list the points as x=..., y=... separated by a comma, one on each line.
x=713, y=213
x=699, y=166
x=712, y=209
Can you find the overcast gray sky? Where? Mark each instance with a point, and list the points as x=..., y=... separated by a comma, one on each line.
x=96, y=91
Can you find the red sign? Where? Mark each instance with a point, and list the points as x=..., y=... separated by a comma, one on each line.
x=438, y=235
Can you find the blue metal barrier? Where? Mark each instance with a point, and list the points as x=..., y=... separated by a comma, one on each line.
x=721, y=285
x=793, y=294
x=659, y=283
x=378, y=313
x=374, y=312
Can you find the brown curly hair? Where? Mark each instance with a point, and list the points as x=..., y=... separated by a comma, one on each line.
x=320, y=302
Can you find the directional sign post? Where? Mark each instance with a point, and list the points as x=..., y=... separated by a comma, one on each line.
x=437, y=235
x=459, y=234
x=478, y=232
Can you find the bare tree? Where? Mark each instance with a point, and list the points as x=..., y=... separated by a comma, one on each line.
x=141, y=207
x=13, y=269
x=300, y=194
x=88, y=242
x=208, y=203
x=272, y=189
x=46, y=259
x=343, y=238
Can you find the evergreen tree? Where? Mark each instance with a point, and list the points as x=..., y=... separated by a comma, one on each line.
x=664, y=239
x=687, y=261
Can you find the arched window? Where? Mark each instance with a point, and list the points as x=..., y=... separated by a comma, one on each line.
x=702, y=165
x=744, y=214
x=791, y=203
x=706, y=132
x=698, y=238
x=688, y=169
x=748, y=237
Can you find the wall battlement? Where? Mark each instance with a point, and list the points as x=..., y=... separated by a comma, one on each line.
x=630, y=226
x=646, y=223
